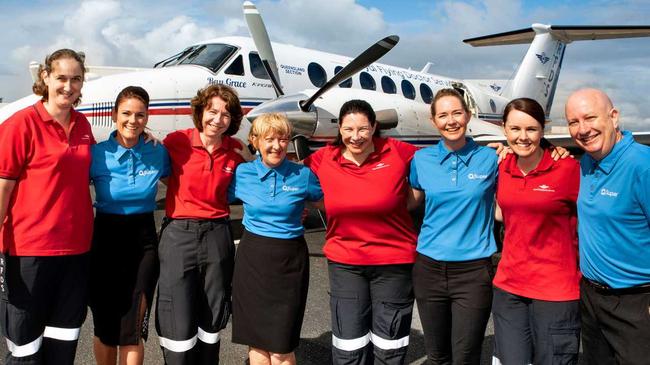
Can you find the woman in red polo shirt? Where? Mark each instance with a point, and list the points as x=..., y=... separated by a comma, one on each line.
x=47, y=217
x=370, y=237
x=196, y=247
x=535, y=305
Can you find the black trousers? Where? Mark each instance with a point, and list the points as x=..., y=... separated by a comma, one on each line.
x=454, y=300
x=43, y=307
x=615, y=325
x=371, y=308
x=531, y=331
x=194, y=289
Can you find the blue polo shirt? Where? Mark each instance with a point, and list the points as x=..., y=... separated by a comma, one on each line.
x=459, y=205
x=614, y=215
x=274, y=198
x=126, y=179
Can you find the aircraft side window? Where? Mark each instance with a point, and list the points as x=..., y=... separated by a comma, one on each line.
x=408, y=90
x=426, y=93
x=388, y=85
x=236, y=67
x=317, y=74
x=257, y=67
x=367, y=81
x=347, y=83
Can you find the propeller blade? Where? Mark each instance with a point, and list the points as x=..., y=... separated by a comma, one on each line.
x=372, y=54
x=263, y=44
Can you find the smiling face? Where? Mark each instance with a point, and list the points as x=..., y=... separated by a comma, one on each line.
x=63, y=83
x=130, y=119
x=593, y=122
x=451, y=119
x=216, y=118
x=273, y=148
x=524, y=133
x=356, y=133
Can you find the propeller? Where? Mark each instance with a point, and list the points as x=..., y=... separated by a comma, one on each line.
x=299, y=111
x=263, y=44
x=372, y=54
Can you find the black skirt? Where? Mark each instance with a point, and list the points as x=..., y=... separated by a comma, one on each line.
x=124, y=271
x=269, y=292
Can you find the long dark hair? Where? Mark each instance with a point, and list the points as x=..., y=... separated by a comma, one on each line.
x=356, y=106
x=528, y=106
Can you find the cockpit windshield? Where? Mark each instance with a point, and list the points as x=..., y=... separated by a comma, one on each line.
x=212, y=56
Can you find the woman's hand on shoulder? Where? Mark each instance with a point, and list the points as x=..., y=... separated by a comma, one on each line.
x=501, y=150
x=244, y=152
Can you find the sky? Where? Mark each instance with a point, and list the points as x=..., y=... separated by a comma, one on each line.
x=140, y=33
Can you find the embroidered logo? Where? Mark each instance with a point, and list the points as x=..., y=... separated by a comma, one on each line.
x=228, y=169
x=606, y=192
x=380, y=165
x=473, y=176
x=544, y=188
x=147, y=172
x=289, y=188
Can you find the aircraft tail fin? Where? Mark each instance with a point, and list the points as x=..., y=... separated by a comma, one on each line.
x=539, y=71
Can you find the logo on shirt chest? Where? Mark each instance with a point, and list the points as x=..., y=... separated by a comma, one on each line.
x=380, y=165
x=228, y=169
x=289, y=188
x=545, y=188
x=606, y=192
x=147, y=172
x=475, y=176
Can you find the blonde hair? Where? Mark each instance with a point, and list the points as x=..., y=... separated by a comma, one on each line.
x=269, y=124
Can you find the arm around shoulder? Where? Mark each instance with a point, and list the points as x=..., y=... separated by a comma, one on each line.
x=6, y=188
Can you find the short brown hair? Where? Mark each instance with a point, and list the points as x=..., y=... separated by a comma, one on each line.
x=528, y=106
x=227, y=94
x=39, y=87
x=448, y=92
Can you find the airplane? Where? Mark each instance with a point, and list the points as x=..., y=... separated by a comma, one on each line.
x=296, y=83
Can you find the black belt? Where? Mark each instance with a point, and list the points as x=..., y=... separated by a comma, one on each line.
x=606, y=289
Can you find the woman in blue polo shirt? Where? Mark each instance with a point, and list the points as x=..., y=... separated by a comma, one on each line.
x=271, y=274
x=125, y=171
x=452, y=274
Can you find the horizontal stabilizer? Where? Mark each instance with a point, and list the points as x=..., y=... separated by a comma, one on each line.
x=565, y=33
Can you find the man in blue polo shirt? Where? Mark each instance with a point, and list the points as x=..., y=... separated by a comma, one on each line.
x=614, y=233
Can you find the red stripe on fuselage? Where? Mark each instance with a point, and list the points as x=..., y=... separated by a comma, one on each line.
x=161, y=111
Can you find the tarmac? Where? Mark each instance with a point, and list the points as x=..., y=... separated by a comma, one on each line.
x=315, y=342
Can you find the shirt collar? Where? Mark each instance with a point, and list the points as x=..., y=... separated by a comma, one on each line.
x=545, y=164
x=227, y=143
x=42, y=112
x=381, y=146
x=608, y=162
x=263, y=171
x=120, y=150
x=464, y=154
x=46, y=117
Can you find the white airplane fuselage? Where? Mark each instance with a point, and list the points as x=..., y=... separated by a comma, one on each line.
x=172, y=87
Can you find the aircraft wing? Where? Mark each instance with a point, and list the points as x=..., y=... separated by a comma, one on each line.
x=567, y=33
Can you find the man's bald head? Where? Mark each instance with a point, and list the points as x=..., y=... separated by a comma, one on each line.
x=593, y=121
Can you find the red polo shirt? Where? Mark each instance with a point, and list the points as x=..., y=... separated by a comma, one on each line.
x=198, y=184
x=50, y=211
x=540, y=248
x=367, y=220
